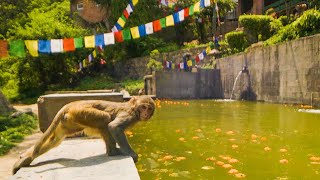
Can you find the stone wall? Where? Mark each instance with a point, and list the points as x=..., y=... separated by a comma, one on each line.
x=4, y=105
x=137, y=68
x=285, y=73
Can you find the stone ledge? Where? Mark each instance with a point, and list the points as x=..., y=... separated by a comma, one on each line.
x=79, y=159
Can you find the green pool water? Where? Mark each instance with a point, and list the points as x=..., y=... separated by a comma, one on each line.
x=185, y=141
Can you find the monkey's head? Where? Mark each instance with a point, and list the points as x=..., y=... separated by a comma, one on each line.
x=144, y=106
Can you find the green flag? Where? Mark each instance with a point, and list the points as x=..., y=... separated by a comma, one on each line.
x=124, y=18
x=126, y=34
x=17, y=48
x=191, y=10
x=163, y=22
x=78, y=43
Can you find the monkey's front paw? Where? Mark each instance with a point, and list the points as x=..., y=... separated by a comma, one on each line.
x=24, y=161
x=134, y=157
x=114, y=152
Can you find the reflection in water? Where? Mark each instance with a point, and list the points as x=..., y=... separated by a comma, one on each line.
x=209, y=139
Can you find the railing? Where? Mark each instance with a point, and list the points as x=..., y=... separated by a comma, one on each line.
x=281, y=5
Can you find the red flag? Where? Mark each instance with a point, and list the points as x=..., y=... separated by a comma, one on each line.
x=3, y=48
x=118, y=36
x=197, y=59
x=68, y=44
x=126, y=14
x=102, y=61
x=156, y=25
x=186, y=12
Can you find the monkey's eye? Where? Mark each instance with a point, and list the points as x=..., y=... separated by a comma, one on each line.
x=144, y=107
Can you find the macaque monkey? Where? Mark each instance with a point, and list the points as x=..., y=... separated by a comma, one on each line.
x=104, y=118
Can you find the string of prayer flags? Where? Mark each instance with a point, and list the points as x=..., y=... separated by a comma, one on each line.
x=56, y=45
x=44, y=46
x=125, y=16
x=3, y=48
x=17, y=48
x=169, y=21
x=32, y=46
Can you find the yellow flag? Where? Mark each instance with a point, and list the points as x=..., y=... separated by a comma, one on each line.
x=189, y=63
x=135, y=32
x=89, y=41
x=197, y=7
x=121, y=22
x=134, y=2
x=169, y=21
x=32, y=46
x=94, y=53
x=208, y=49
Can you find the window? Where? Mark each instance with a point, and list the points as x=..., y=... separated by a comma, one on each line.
x=80, y=6
x=98, y=4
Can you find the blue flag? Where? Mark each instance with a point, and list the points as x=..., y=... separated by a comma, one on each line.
x=99, y=40
x=142, y=30
x=44, y=46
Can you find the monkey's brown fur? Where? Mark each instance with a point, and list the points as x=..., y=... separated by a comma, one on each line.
x=105, y=118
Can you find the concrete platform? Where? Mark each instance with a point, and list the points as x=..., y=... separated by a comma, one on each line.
x=79, y=159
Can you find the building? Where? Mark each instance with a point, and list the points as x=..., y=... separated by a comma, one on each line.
x=261, y=6
x=89, y=10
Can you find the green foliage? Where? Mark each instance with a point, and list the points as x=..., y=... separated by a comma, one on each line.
x=133, y=86
x=255, y=25
x=237, y=41
x=102, y=81
x=306, y=25
x=12, y=130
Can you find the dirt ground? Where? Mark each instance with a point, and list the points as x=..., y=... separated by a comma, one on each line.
x=7, y=161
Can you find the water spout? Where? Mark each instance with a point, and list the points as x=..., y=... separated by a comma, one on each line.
x=235, y=82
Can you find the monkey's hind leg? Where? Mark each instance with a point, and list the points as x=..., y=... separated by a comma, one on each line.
x=47, y=142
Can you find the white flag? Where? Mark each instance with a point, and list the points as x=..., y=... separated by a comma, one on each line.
x=181, y=15
x=56, y=45
x=201, y=56
x=149, y=28
x=129, y=9
x=114, y=29
x=206, y=3
x=181, y=66
x=109, y=38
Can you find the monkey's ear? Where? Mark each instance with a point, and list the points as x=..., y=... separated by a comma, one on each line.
x=133, y=100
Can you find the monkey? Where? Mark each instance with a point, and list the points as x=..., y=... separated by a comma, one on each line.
x=104, y=118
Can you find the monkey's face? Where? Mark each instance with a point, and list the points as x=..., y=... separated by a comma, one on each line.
x=146, y=111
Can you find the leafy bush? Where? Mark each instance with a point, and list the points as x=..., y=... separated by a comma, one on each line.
x=101, y=81
x=255, y=25
x=133, y=86
x=237, y=41
x=306, y=25
x=12, y=130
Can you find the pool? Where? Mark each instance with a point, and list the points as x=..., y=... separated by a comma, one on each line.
x=208, y=139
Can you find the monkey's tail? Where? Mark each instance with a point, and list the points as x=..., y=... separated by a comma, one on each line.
x=53, y=126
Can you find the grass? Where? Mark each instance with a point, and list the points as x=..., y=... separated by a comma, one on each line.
x=13, y=130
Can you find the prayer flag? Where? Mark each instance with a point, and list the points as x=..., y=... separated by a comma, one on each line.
x=168, y=64
x=114, y=29
x=163, y=23
x=191, y=10
x=196, y=7
x=80, y=66
x=202, y=3
x=164, y=2
x=56, y=45
x=126, y=14
x=89, y=41
x=149, y=28
x=181, y=66
x=142, y=30
x=173, y=66
x=123, y=18
x=129, y=9
x=186, y=12
x=135, y=32
x=134, y=2
x=118, y=36
x=118, y=27
x=197, y=59
x=44, y=46
x=156, y=25
x=84, y=63
x=94, y=53
x=126, y=34
x=121, y=22
x=189, y=63
x=78, y=43
x=32, y=46
x=185, y=65
x=207, y=3
x=17, y=48
x=176, y=18
x=204, y=53
x=201, y=56
x=181, y=15
x=3, y=48
x=208, y=49
x=90, y=57
x=109, y=38
x=99, y=40
x=68, y=44
x=169, y=21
